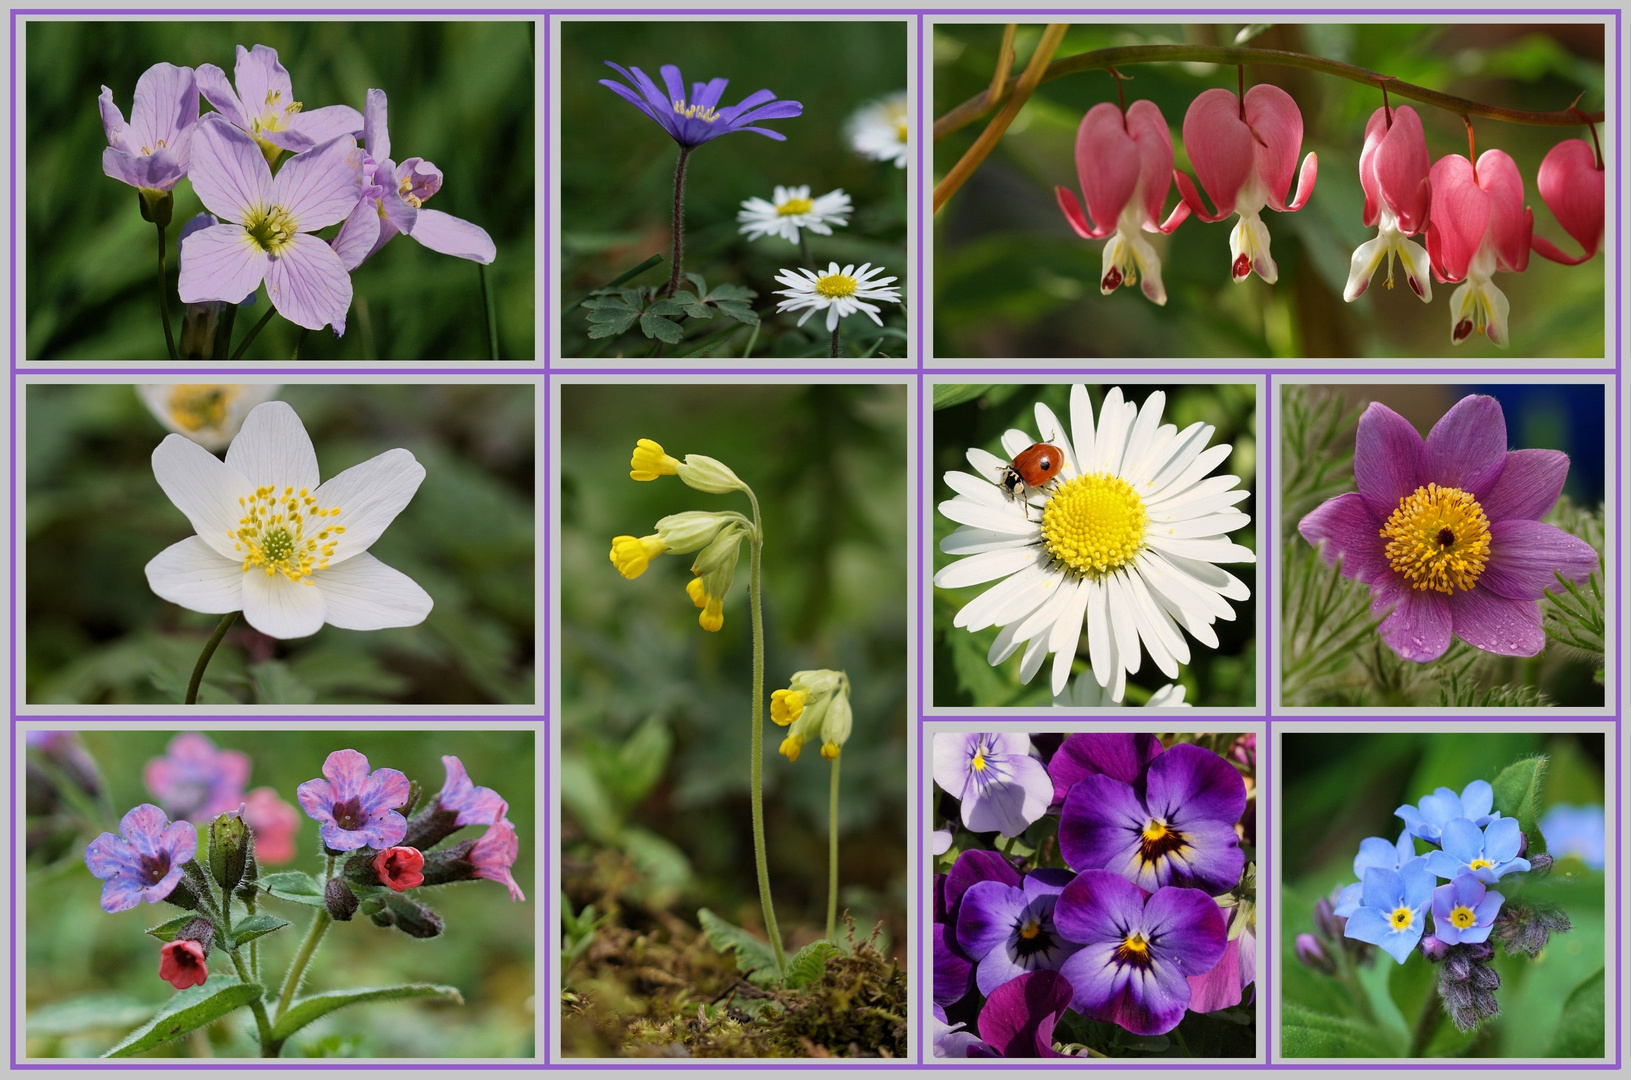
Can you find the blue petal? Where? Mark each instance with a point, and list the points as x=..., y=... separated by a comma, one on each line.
x=1477, y=798
x=1368, y=924
x=1419, y=882
x=1348, y=900
x=1445, y=866
x=1464, y=840
x=1501, y=840
x=1384, y=889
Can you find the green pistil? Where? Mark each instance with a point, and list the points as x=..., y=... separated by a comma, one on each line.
x=273, y=229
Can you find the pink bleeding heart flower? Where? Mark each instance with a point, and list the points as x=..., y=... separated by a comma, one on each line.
x=1571, y=183
x=151, y=152
x=1478, y=225
x=1124, y=163
x=1393, y=169
x=1244, y=151
x=264, y=105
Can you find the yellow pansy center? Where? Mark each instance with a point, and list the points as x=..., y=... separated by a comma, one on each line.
x=834, y=286
x=1157, y=840
x=1480, y=864
x=794, y=207
x=1438, y=538
x=1462, y=917
x=696, y=112
x=195, y=408
x=285, y=533
x=978, y=764
x=1030, y=930
x=1094, y=524
x=1401, y=918
x=1134, y=949
x=271, y=228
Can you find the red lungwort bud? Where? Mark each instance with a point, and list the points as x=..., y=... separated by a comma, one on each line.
x=181, y=964
x=400, y=868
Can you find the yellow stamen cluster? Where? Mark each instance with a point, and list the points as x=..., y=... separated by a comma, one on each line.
x=1094, y=524
x=196, y=408
x=272, y=228
x=405, y=189
x=794, y=207
x=901, y=130
x=1030, y=930
x=696, y=112
x=1438, y=538
x=1462, y=917
x=1480, y=864
x=1401, y=918
x=272, y=534
x=1134, y=949
x=835, y=286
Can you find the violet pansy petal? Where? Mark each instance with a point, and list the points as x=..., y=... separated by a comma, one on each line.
x=953, y=973
x=1496, y=624
x=1210, y=859
x=1387, y=459
x=453, y=236
x=308, y=284
x=1100, y=818
x=322, y=186
x=1019, y=1017
x=1188, y=928
x=222, y=263
x=229, y=174
x=1529, y=485
x=976, y=865
x=986, y=916
x=1525, y=557
x=1096, y=906
x=1188, y=783
x=1224, y=985
x=1467, y=447
x=1119, y=755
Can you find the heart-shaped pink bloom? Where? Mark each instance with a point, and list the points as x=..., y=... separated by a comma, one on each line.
x=1571, y=182
x=1478, y=225
x=1394, y=168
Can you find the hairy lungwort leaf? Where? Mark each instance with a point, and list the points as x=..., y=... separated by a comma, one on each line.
x=754, y=958
x=293, y=885
x=256, y=926
x=187, y=1011
x=308, y=1009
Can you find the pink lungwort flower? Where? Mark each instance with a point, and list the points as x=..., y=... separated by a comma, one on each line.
x=181, y=963
x=1393, y=170
x=271, y=220
x=473, y=805
x=152, y=151
x=275, y=823
x=494, y=853
x=1124, y=163
x=355, y=807
x=1571, y=183
x=1478, y=225
x=195, y=781
x=264, y=105
x=1245, y=153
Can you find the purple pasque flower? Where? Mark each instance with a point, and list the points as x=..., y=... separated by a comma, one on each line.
x=152, y=151
x=264, y=105
x=1121, y=755
x=697, y=120
x=145, y=862
x=1447, y=532
x=1393, y=909
x=994, y=779
x=1177, y=827
x=953, y=966
x=1018, y=1018
x=269, y=222
x=473, y=805
x=1487, y=854
x=951, y=1041
x=1138, y=950
x=1374, y=851
x=196, y=781
x=1464, y=911
x=494, y=853
x=1428, y=818
x=1009, y=930
x=356, y=808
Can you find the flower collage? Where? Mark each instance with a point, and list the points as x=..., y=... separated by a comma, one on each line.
x=1145, y=495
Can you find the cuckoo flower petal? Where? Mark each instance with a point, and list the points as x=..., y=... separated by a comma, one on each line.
x=264, y=106
x=1571, y=183
x=152, y=151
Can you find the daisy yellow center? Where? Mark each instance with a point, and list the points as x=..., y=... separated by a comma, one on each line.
x=900, y=130
x=696, y=112
x=1134, y=949
x=1438, y=538
x=271, y=228
x=198, y=407
x=1462, y=917
x=794, y=207
x=835, y=286
x=1480, y=864
x=286, y=533
x=1401, y=918
x=1094, y=523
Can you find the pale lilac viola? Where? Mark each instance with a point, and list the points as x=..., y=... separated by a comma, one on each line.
x=1177, y=828
x=264, y=105
x=1374, y=851
x=1138, y=950
x=1447, y=531
x=1123, y=756
x=1487, y=854
x=1224, y=986
x=1393, y=908
x=695, y=120
x=1018, y=1018
x=1464, y=911
x=1009, y=931
x=494, y=854
x=194, y=780
x=145, y=862
x=994, y=779
x=153, y=150
x=355, y=807
x=1428, y=818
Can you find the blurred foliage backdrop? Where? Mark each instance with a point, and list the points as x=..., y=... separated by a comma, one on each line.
x=1225, y=677
x=1013, y=279
x=92, y=976
x=617, y=171
x=460, y=96
x=1340, y=788
x=655, y=711
x=95, y=516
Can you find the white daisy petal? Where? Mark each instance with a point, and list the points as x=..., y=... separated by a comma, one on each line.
x=1067, y=634
x=1081, y=426
x=986, y=464
x=1098, y=632
x=1142, y=434
x=1025, y=586
x=978, y=569
x=972, y=487
x=967, y=541
x=1002, y=648
x=1121, y=624
x=1210, y=525
x=1208, y=550
x=1035, y=652
x=1186, y=448
x=1049, y=429
x=1213, y=577
x=1004, y=519
x=1204, y=462
x=1016, y=442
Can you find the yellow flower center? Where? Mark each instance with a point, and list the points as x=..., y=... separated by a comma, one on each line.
x=198, y=407
x=1134, y=949
x=1480, y=864
x=696, y=112
x=1030, y=930
x=272, y=534
x=1438, y=538
x=1094, y=523
x=900, y=130
x=794, y=207
x=272, y=228
x=978, y=763
x=1401, y=918
x=1462, y=917
x=833, y=286
x=1155, y=830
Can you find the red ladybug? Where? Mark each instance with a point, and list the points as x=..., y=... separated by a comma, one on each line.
x=1032, y=468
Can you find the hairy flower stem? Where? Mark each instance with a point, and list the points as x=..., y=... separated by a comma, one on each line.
x=832, y=348
x=164, y=299
x=243, y=346
x=314, y=935
x=263, y=1023
x=1432, y=1012
x=756, y=771
x=679, y=222
x=221, y=629
x=832, y=851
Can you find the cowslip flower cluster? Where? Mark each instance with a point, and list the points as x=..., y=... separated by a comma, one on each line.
x=814, y=705
x=1149, y=917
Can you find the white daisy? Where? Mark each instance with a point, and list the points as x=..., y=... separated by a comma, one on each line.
x=881, y=130
x=838, y=292
x=208, y=414
x=1123, y=542
x=1084, y=693
x=792, y=209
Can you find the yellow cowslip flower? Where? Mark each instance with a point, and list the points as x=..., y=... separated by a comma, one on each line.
x=680, y=534
x=786, y=705
x=631, y=555
x=649, y=461
x=816, y=703
x=791, y=746
x=715, y=568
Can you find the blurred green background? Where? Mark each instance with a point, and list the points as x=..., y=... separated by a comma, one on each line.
x=92, y=977
x=655, y=711
x=1013, y=279
x=461, y=95
x=95, y=516
x=1224, y=677
x=1340, y=788
x=617, y=171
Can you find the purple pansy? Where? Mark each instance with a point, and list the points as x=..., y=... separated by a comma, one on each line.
x=356, y=808
x=694, y=121
x=1428, y=818
x=1447, y=531
x=269, y=222
x=1019, y=1017
x=265, y=108
x=1393, y=909
x=145, y=862
x=953, y=966
x=1464, y=911
x=1176, y=828
x=999, y=786
x=196, y=781
x=1377, y=852
x=1138, y=950
x=474, y=805
x=1009, y=931
x=494, y=853
x=1121, y=755
x=152, y=151
x=1487, y=854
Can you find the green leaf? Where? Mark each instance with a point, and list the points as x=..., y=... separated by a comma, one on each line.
x=660, y=328
x=167, y=931
x=293, y=885
x=640, y=761
x=674, y=305
x=809, y=964
x=275, y=684
x=306, y=1010
x=187, y=1011
x=948, y=394
x=1517, y=795
x=754, y=958
x=618, y=280
x=92, y=1012
x=1305, y=1033
x=256, y=926
x=740, y=310
x=1580, y=1032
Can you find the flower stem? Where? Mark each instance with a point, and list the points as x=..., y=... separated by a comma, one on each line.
x=804, y=249
x=1426, y=1024
x=679, y=222
x=299, y=341
x=489, y=313
x=243, y=346
x=832, y=349
x=263, y=1025
x=756, y=769
x=832, y=851
x=314, y=935
x=223, y=333
x=164, y=299
x=221, y=629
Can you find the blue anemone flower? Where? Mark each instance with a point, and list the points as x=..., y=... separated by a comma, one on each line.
x=1487, y=854
x=1393, y=913
x=698, y=119
x=1427, y=819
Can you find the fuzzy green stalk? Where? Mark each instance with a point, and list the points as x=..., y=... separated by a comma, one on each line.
x=832, y=851
x=221, y=629
x=299, y=341
x=1432, y=1012
x=164, y=298
x=756, y=771
x=263, y=1023
x=679, y=222
x=314, y=935
x=489, y=313
x=223, y=333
